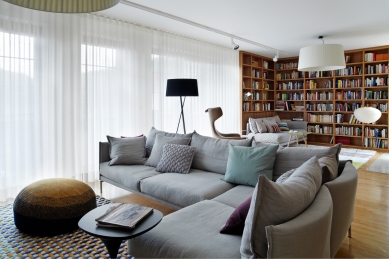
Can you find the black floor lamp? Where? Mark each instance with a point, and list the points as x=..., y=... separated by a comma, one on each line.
x=182, y=87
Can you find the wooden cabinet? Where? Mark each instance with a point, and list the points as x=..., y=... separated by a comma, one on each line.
x=326, y=99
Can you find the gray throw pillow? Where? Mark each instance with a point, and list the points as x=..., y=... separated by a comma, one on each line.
x=212, y=154
x=274, y=204
x=152, y=135
x=176, y=159
x=253, y=125
x=160, y=141
x=292, y=157
x=127, y=151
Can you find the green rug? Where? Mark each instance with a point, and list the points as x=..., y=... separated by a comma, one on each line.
x=76, y=244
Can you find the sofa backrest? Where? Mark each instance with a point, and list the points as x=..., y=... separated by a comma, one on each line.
x=343, y=191
x=212, y=154
x=305, y=236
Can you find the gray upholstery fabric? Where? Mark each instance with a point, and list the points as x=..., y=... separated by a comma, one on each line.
x=293, y=125
x=261, y=127
x=176, y=159
x=127, y=151
x=285, y=176
x=274, y=204
x=292, y=157
x=191, y=232
x=343, y=191
x=212, y=154
x=104, y=152
x=253, y=124
x=160, y=141
x=129, y=176
x=152, y=135
x=306, y=236
x=185, y=189
x=329, y=168
x=235, y=196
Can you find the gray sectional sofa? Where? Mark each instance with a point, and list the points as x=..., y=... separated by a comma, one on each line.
x=205, y=202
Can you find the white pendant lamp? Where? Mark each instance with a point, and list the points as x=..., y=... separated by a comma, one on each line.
x=321, y=57
x=367, y=114
x=66, y=6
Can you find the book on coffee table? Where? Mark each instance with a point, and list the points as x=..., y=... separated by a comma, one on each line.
x=123, y=216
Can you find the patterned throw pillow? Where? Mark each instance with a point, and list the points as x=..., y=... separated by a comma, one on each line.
x=176, y=159
x=253, y=125
x=283, y=126
x=273, y=128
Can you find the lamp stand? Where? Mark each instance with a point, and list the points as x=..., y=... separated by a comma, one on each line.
x=181, y=115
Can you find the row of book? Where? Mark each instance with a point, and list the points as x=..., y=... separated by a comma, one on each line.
x=339, y=118
x=320, y=129
x=255, y=73
x=348, y=83
x=256, y=85
x=266, y=75
x=353, y=120
x=376, y=95
x=375, y=143
x=376, y=69
x=349, y=131
x=265, y=64
x=257, y=96
x=291, y=85
x=349, y=71
x=347, y=107
x=311, y=84
x=371, y=56
x=319, y=118
x=256, y=107
x=288, y=65
x=378, y=81
x=316, y=74
x=292, y=75
x=320, y=96
x=290, y=96
x=348, y=95
x=369, y=132
x=383, y=107
x=321, y=107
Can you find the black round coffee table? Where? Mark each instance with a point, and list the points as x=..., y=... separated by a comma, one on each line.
x=113, y=237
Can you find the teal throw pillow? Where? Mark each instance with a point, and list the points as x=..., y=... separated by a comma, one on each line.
x=245, y=164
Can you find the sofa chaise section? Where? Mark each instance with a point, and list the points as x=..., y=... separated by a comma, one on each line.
x=185, y=189
x=235, y=196
x=192, y=232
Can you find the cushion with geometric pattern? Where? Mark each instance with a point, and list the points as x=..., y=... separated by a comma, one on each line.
x=176, y=159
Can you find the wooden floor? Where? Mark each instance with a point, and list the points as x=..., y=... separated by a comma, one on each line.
x=370, y=229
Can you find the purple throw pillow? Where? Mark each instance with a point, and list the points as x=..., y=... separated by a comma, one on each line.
x=235, y=223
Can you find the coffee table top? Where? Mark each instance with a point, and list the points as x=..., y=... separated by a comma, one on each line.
x=298, y=133
x=88, y=224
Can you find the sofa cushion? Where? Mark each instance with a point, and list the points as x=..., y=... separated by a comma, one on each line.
x=235, y=223
x=127, y=151
x=274, y=204
x=212, y=154
x=292, y=157
x=261, y=127
x=245, y=164
x=235, y=196
x=253, y=124
x=283, y=126
x=129, y=176
x=191, y=232
x=185, y=189
x=160, y=141
x=152, y=135
x=176, y=159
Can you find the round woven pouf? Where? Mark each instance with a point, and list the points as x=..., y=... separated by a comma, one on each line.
x=52, y=206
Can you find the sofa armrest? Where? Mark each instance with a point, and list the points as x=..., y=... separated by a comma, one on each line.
x=297, y=125
x=104, y=152
x=305, y=236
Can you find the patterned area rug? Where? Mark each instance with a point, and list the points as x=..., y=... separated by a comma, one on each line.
x=76, y=244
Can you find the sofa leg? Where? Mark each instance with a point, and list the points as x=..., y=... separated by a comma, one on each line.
x=101, y=189
x=349, y=232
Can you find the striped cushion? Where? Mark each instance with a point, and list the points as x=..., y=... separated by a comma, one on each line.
x=283, y=126
x=273, y=128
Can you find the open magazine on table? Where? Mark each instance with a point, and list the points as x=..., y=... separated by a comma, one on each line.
x=123, y=216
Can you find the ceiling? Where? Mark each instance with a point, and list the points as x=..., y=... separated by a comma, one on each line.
x=280, y=24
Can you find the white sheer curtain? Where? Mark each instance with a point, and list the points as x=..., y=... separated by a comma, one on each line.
x=67, y=81
x=217, y=74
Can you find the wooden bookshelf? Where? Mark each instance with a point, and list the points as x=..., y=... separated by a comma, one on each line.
x=330, y=97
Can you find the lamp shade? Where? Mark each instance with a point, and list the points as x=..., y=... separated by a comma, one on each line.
x=321, y=58
x=182, y=87
x=66, y=6
x=367, y=114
